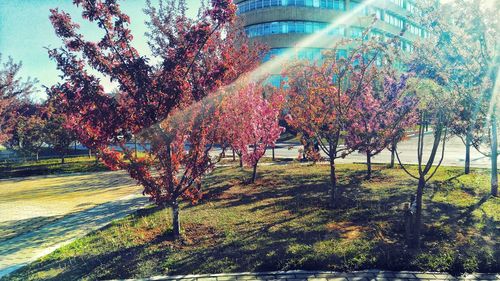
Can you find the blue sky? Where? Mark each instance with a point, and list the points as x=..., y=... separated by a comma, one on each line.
x=25, y=30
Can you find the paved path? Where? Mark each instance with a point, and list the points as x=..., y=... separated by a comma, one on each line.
x=23, y=249
x=454, y=153
x=297, y=275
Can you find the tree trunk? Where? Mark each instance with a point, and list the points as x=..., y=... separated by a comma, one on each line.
x=393, y=155
x=494, y=157
x=234, y=156
x=62, y=158
x=409, y=221
x=418, y=214
x=90, y=153
x=241, y=161
x=333, y=192
x=273, y=153
x=37, y=156
x=369, y=165
x=135, y=146
x=176, y=224
x=254, y=173
x=467, y=153
x=223, y=154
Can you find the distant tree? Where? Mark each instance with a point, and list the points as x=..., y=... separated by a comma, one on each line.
x=192, y=58
x=13, y=93
x=251, y=122
x=57, y=133
x=28, y=131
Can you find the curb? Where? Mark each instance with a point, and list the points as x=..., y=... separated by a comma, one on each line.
x=296, y=275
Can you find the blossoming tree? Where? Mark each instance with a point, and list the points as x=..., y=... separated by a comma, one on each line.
x=322, y=97
x=192, y=58
x=379, y=115
x=251, y=122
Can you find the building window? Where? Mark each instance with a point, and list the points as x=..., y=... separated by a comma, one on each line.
x=410, y=7
x=393, y=20
x=338, y=31
x=355, y=4
x=309, y=27
x=251, y=5
x=341, y=54
x=282, y=27
x=299, y=27
x=398, y=2
x=312, y=54
x=356, y=32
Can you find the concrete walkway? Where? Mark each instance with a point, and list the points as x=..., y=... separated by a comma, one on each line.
x=454, y=153
x=297, y=275
x=25, y=248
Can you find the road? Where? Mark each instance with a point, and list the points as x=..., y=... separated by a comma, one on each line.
x=454, y=154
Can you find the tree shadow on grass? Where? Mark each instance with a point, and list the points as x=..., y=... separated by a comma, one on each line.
x=303, y=220
x=123, y=263
x=288, y=227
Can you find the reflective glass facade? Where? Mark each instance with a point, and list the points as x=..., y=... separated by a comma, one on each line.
x=251, y=5
x=283, y=27
x=271, y=19
x=312, y=54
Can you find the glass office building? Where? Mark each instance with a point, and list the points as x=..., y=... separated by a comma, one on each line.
x=281, y=24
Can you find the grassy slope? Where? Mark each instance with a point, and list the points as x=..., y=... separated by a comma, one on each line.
x=282, y=222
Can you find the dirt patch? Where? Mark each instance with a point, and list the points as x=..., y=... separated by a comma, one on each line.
x=347, y=230
x=193, y=236
x=236, y=191
x=266, y=182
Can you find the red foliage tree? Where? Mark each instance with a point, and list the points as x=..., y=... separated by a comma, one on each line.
x=322, y=96
x=182, y=156
x=194, y=57
x=251, y=122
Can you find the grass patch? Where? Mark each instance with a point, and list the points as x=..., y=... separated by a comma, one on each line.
x=51, y=166
x=282, y=223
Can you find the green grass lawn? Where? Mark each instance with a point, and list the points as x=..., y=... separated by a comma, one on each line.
x=50, y=166
x=282, y=222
